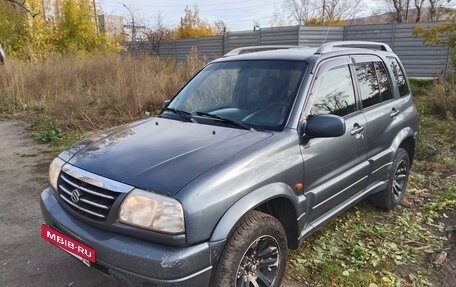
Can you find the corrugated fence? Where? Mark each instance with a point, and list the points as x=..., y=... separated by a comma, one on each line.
x=420, y=60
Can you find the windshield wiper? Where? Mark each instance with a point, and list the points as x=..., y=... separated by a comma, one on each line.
x=233, y=122
x=183, y=114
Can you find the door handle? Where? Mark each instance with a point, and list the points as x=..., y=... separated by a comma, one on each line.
x=357, y=129
x=394, y=112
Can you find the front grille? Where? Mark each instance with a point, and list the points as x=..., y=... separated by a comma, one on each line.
x=86, y=199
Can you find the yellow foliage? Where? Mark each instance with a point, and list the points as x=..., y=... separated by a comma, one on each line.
x=193, y=26
x=329, y=22
x=28, y=36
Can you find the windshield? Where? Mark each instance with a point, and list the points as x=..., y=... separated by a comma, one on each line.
x=259, y=94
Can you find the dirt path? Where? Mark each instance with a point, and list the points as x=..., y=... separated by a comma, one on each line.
x=25, y=259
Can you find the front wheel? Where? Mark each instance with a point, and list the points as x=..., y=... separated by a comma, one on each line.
x=255, y=254
x=392, y=196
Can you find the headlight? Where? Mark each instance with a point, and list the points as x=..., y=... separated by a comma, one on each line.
x=152, y=211
x=54, y=171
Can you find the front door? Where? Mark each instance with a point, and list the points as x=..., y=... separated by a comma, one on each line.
x=335, y=169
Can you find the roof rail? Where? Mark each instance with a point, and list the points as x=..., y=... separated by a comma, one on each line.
x=251, y=49
x=328, y=47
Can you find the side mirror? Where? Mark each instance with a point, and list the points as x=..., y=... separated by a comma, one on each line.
x=166, y=103
x=325, y=126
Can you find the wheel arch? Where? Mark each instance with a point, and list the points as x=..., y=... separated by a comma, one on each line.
x=408, y=144
x=276, y=199
x=405, y=139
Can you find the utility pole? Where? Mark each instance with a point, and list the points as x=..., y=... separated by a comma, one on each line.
x=133, y=28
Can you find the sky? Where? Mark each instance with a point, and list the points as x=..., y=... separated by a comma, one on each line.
x=237, y=14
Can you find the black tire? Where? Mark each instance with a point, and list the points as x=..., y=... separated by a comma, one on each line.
x=392, y=196
x=256, y=250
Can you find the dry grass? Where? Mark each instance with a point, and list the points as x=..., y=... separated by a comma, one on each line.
x=91, y=92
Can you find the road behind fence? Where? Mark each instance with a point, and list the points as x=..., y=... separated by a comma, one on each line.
x=420, y=60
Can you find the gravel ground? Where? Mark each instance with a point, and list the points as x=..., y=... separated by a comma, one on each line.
x=25, y=259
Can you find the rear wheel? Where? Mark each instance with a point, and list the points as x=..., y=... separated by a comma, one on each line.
x=392, y=196
x=255, y=254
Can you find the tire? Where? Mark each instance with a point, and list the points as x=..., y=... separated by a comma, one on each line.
x=255, y=251
x=397, y=183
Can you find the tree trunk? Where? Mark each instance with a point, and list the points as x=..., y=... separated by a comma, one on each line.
x=418, y=6
x=432, y=9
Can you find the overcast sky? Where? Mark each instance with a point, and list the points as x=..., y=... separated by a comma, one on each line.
x=237, y=14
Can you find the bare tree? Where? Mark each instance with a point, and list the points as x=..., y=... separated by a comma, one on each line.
x=300, y=11
x=343, y=9
x=158, y=33
x=278, y=18
x=220, y=27
x=419, y=7
x=436, y=7
x=397, y=8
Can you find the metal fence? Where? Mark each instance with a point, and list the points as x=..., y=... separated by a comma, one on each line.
x=420, y=60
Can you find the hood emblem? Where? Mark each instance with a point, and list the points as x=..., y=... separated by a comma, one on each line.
x=75, y=195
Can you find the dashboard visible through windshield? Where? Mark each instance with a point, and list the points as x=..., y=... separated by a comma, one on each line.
x=256, y=94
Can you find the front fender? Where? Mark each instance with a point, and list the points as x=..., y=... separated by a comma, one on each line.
x=249, y=202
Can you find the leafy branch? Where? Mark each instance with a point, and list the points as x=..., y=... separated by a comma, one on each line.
x=22, y=5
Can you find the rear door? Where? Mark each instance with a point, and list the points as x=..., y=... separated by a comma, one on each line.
x=382, y=109
x=335, y=169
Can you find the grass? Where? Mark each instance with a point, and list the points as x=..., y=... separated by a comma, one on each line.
x=363, y=247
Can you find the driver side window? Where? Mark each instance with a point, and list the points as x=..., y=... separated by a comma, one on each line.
x=335, y=94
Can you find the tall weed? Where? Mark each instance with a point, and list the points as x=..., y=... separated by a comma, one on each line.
x=91, y=92
x=440, y=98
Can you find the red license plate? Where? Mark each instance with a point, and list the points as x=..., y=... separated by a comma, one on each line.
x=68, y=244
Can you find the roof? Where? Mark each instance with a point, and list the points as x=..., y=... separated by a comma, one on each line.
x=297, y=53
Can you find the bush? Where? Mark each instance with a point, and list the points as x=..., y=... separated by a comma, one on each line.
x=440, y=100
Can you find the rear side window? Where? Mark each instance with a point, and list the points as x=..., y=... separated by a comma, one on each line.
x=383, y=81
x=368, y=84
x=335, y=94
x=399, y=77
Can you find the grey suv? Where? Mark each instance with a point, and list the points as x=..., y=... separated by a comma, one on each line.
x=255, y=153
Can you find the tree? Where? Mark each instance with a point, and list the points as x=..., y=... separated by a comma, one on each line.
x=76, y=30
x=192, y=25
x=444, y=34
x=278, y=18
x=23, y=30
x=26, y=34
x=333, y=12
x=158, y=33
x=299, y=11
x=436, y=7
x=220, y=27
x=342, y=9
x=397, y=7
x=419, y=7
x=23, y=6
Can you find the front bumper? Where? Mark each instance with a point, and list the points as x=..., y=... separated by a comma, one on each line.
x=133, y=261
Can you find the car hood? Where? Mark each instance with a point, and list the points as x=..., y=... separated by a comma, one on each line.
x=160, y=154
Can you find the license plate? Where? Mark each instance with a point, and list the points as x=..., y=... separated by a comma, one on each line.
x=73, y=247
